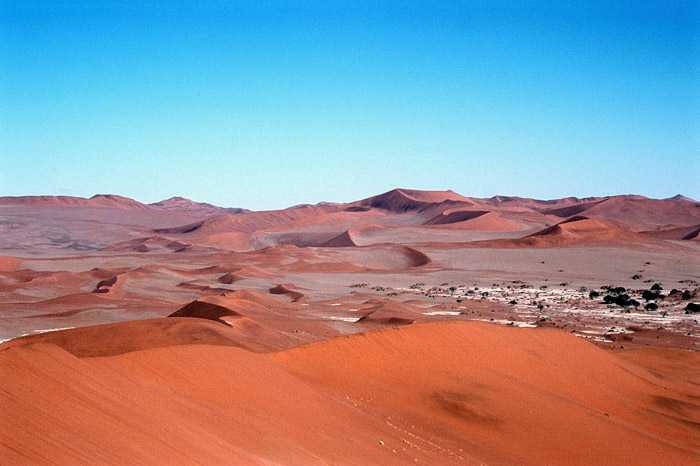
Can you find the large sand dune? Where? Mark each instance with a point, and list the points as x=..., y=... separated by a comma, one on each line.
x=99, y=200
x=445, y=393
x=402, y=200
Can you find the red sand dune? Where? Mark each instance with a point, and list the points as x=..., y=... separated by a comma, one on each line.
x=638, y=213
x=231, y=241
x=9, y=264
x=479, y=220
x=578, y=230
x=205, y=310
x=454, y=216
x=137, y=335
x=333, y=221
x=583, y=227
x=390, y=313
x=99, y=200
x=220, y=305
x=411, y=256
x=104, y=286
x=439, y=393
x=503, y=395
x=343, y=240
x=348, y=259
x=675, y=233
x=308, y=225
x=178, y=405
x=288, y=290
x=404, y=200
x=29, y=277
x=537, y=204
x=262, y=323
x=196, y=208
x=248, y=222
x=148, y=244
x=357, y=236
x=242, y=273
x=632, y=211
x=571, y=210
x=228, y=278
x=682, y=198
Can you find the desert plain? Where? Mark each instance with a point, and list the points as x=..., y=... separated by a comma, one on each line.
x=410, y=327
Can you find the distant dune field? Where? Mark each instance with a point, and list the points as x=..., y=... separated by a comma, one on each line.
x=411, y=327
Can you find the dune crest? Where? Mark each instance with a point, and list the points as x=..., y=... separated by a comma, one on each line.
x=288, y=290
x=404, y=200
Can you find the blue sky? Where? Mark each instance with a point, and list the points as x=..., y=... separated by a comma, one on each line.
x=270, y=104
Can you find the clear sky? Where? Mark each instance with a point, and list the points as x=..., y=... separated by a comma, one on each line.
x=270, y=104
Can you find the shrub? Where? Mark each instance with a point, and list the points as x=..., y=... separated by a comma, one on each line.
x=651, y=307
x=692, y=308
x=620, y=300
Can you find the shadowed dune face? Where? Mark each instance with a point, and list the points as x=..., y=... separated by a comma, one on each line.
x=571, y=210
x=389, y=314
x=204, y=310
x=404, y=200
x=294, y=295
x=455, y=216
x=439, y=393
x=683, y=233
x=343, y=240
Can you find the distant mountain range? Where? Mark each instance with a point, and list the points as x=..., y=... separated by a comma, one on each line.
x=403, y=216
x=396, y=200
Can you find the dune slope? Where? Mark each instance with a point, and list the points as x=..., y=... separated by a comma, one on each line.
x=507, y=395
x=438, y=393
